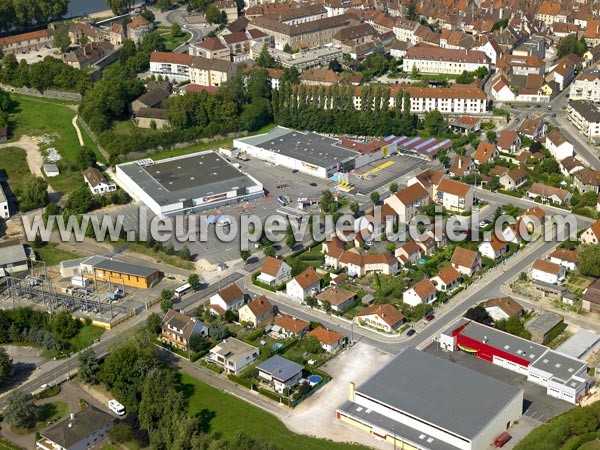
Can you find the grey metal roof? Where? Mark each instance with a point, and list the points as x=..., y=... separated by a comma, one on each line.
x=311, y=148
x=543, y=323
x=189, y=177
x=127, y=268
x=440, y=392
x=84, y=424
x=11, y=252
x=402, y=431
x=579, y=344
x=561, y=367
x=588, y=110
x=516, y=346
x=280, y=368
x=72, y=263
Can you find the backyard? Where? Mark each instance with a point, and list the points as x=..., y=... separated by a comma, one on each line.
x=223, y=410
x=13, y=166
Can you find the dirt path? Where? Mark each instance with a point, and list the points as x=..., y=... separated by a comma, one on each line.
x=77, y=130
x=35, y=161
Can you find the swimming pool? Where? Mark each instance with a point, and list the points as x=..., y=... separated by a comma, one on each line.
x=315, y=379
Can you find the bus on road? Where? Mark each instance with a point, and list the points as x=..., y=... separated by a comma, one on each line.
x=182, y=290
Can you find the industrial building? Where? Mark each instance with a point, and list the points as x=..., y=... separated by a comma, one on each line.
x=420, y=401
x=312, y=153
x=187, y=183
x=565, y=377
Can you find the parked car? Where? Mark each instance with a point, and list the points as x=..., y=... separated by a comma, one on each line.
x=410, y=332
x=502, y=439
x=429, y=317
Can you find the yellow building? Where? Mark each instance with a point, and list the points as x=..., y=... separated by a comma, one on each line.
x=124, y=273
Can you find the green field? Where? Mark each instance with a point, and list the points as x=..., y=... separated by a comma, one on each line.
x=232, y=415
x=170, y=42
x=53, y=256
x=13, y=165
x=83, y=339
x=5, y=445
x=35, y=116
x=48, y=412
x=592, y=445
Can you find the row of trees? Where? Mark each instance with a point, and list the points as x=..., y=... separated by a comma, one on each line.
x=50, y=73
x=5, y=104
x=22, y=13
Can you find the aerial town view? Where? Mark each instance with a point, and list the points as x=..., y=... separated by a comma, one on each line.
x=299, y=224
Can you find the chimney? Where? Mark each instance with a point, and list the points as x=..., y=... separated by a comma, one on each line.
x=460, y=163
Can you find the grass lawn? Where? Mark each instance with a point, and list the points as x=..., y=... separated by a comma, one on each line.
x=170, y=42
x=5, y=445
x=171, y=260
x=232, y=415
x=592, y=445
x=86, y=337
x=53, y=256
x=13, y=165
x=48, y=413
x=35, y=116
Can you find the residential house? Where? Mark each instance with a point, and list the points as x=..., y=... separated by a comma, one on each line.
x=156, y=118
x=383, y=317
x=233, y=355
x=467, y=262
x=513, y=179
x=466, y=125
x=305, y=284
x=587, y=180
x=153, y=98
x=359, y=265
x=508, y=141
x=171, y=66
x=570, y=165
x=429, y=59
x=429, y=179
x=210, y=72
x=81, y=430
x=177, y=329
x=533, y=128
x=231, y=298
x=27, y=42
x=558, y=145
x=89, y=54
x=4, y=207
x=486, y=152
x=563, y=73
x=591, y=297
x=586, y=87
x=547, y=272
x=408, y=202
x=494, y=248
x=591, y=235
x=564, y=257
x=548, y=193
x=447, y=279
x=337, y=298
x=290, y=326
x=585, y=115
x=330, y=340
x=455, y=196
x=280, y=372
x=138, y=28
x=461, y=166
x=274, y=272
x=422, y=292
x=333, y=249
x=409, y=253
x=503, y=308
x=96, y=181
x=211, y=48
x=257, y=312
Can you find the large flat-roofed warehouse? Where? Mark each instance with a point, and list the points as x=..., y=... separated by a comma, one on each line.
x=313, y=153
x=100, y=268
x=187, y=183
x=426, y=402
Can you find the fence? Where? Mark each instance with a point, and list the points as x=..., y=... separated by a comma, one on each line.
x=50, y=93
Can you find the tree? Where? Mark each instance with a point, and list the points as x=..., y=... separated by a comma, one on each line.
x=212, y=14
x=218, y=331
x=589, y=260
x=122, y=433
x=411, y=10
x=571, y=44
x=194, y=281
x=434, y=123
x=21, y=411
x=148, y=15
x=34, y=193
x=86, y=158
x=394, y=188
x=500, y=25
x=62, y=39
x=491, y=136
x=197, y=342
x=264, y=59
x=88, y=366
x=153, y=324
x=268, y=250
x=311, y=344
x=290, y=75
x=6, y=367
x=119, y=7
x=64, y=325
x=375, y=197
x=80, y=200
x=478, y=314
x=83, y=40
x=175, y=30
x=166, y=305
x=494, y=183
x=327, y=202
x=550, y=165
x=335, y=66
x=465, y=78
x=245, y=254
x=354, y=207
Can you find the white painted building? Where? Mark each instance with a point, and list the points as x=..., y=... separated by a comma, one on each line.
x=547, y=272
x=558, y=145
x=585, y=116
x=233, y=355
x=428, y=59
x=171, y=66
x=422, y=292
x=96, y=182
x=586, y=87
x=305, y=284
x=4, y=210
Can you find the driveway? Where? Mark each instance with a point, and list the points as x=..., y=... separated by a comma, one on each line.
x=35, y=161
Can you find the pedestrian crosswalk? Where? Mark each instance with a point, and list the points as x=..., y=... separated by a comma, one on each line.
x=242, y=272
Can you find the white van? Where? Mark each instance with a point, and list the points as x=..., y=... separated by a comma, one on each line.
x=116, y=407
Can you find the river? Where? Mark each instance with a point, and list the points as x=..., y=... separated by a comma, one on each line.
x=81, y=7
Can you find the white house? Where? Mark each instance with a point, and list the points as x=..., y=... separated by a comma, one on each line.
x=549, y=193
x=96, y=181
x=382, y=317
x=4, y=210
x=408, y=202
x=257, y=312
x=230, y=298
x=429, y=59
x=447, y=279
x=494, y=248
x=280, y=372
x=305, y=284
x=330, y=340
x=171, y=66
x=566, y=258
x=558, y=145
x=178, y=328
x=455, y=196
x=422, y=292
x=467, y=262
x=547, y=272
x=274, y=272
x=233, y=355
x=503, y=308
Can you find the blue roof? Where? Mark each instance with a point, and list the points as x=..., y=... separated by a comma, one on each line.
x=280, y=368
